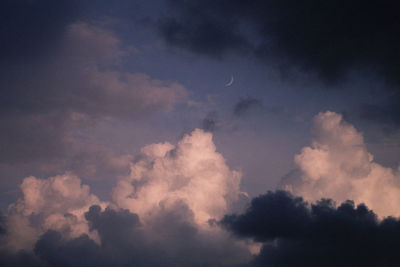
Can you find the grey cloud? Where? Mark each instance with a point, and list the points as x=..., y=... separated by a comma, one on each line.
x=328, y=37
x=244, y=105
x=200, y=27
x=20, y=259
x=98, y=162
x=74, y=87
x=171, y=240
x=294, y=232
x=210, y=122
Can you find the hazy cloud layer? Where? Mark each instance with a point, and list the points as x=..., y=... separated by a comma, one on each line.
x=73, y=87
x=337, y=165
x=295, y=233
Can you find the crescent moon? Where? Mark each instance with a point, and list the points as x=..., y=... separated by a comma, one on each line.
x=230, y=82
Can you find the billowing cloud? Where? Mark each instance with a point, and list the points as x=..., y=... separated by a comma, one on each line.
x=295, y=233
x=191, y=172
x=126, y=242
x=337, y=165
x=163, y=213
x=56, y=203
x=171, y=211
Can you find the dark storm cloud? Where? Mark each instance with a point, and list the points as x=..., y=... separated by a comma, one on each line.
x=3, y=227
x=295, y=234
x=171, y=239
x=122, y=243
x=19, y=259
x=245, y=104
x=199, y=26
x=16, y=259
x=328, y=37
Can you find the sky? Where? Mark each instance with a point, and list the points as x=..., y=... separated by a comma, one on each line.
x=199, y=133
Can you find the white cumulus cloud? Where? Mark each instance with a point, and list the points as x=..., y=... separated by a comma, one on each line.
x=192, y=172
x=56, y=203
x=174, y=189
x=337, y=165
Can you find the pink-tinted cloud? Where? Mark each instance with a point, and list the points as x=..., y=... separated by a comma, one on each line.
x=337, y=165
x=191, y=172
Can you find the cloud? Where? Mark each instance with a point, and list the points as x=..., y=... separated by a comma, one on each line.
x=284, y=35
x=337, y=165
x=285, y=31
x=210, y=122
x=169, y=210
x=321, y=234
x=199, y=27
x=162, y=214
x=74, y=87
x=192, y=172
x=56, y=203
x=81, y=77
x=99, y=163
x=244, y=105
x=126, y=241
